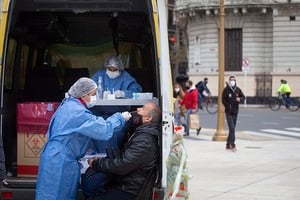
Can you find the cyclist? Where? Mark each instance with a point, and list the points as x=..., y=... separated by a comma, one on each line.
x=285, y=91
x=203, y=91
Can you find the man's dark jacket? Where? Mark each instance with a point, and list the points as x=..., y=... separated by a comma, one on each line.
x=134, y=163
x=229, y=99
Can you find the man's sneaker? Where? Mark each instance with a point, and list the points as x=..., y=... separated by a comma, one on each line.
x=233, y=147
x=228, y=147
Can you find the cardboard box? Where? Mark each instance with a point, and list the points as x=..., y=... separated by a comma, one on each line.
x=32, y=124
x=30, y=146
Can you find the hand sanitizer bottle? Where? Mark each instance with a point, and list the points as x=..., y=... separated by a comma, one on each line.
x=100, y=89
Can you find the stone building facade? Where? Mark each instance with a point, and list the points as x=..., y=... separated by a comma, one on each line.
x=262, y=43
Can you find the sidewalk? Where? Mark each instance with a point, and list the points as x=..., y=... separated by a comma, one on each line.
x=261, y=168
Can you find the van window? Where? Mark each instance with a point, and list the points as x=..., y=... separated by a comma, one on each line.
x=8, y=81
x=23, y=66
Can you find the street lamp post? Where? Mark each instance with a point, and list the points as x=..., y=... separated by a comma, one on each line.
x=220, y=134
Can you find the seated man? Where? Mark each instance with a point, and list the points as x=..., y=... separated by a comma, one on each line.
x=94, y=182
x=137, y=159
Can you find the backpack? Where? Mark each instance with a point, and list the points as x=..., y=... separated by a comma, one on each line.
x=200, y=87
x=198, y=84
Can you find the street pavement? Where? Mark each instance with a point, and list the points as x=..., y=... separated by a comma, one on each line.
x=263, y=167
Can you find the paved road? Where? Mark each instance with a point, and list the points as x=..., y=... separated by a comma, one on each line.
x=266, y=165
x=261, y=121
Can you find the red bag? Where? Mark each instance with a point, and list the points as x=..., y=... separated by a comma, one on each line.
x=35, y=116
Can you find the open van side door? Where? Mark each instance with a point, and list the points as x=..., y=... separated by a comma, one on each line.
x=166, y=86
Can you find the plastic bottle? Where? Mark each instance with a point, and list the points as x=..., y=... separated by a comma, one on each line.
x=100, y=89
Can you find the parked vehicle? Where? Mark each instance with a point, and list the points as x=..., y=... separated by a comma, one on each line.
x=45, y=45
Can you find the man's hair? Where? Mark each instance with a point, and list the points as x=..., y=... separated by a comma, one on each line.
x=155, y=113
x=205, y=79
x=231, y=76
x=190, y=82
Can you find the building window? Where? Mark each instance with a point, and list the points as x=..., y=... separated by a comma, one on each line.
x=233, y=49
x=292, y=18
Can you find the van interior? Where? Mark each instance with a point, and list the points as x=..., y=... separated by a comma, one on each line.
x=52, y=43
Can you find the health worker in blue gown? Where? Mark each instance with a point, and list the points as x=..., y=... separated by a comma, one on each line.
x=69, y=136
x=116, y=80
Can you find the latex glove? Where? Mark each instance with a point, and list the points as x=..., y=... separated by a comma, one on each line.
x=105, y=94
x=126, y=115
x=119, y=94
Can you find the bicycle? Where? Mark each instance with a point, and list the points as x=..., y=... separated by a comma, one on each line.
x=210, y=105
x=290, y=104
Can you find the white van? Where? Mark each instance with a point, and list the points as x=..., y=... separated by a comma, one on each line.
x=45, y=45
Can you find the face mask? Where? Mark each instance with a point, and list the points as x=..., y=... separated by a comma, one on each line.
x=232, y=83
x=136, y=119
x=112, y=75
x=177, y=89
x=92, y=103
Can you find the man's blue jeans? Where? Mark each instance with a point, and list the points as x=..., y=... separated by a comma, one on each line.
x=186, y=126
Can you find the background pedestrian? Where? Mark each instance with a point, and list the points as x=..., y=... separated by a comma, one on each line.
x=231, y=98
x=179, y=111
x=190, y=101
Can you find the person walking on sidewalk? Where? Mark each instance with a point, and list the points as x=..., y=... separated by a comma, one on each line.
x=190, y=100
x=231, y=97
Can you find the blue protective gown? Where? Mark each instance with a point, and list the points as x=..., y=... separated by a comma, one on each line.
x=69, y=136
x=124, y=82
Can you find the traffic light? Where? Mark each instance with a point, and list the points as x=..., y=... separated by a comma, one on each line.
x=172, y=40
